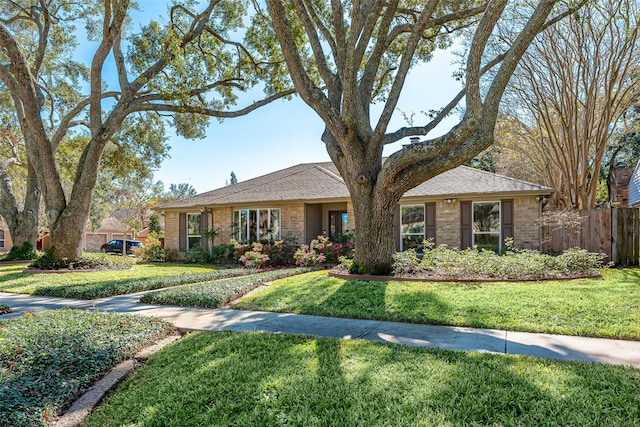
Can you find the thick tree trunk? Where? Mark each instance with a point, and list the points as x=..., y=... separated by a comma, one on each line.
x=25, y=229
x=66, y=236
x=23, y=225
x=373, y=205
x=374, y=232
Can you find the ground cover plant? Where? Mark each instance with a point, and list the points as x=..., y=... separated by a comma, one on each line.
x=250, y=379
x=47, y=359
x=215, y=293
x=88, y=261
x=21, y=253
x=99, y=284
x=599, y=307
x=449, y=263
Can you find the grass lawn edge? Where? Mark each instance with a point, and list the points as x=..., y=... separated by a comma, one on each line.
x=82, y=407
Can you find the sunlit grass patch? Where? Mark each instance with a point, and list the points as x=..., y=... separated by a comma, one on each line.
x=599, y=307
x=265, y=379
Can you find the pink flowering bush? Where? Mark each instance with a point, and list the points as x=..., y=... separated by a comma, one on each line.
x=322, y=250
x=254, y=258
x=307, y=257
x=286, y=252
x=265, y=253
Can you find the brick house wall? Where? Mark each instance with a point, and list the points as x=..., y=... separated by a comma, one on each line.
x=526, y=220
x=171, y=233
x=221, y=220
x=292, y=217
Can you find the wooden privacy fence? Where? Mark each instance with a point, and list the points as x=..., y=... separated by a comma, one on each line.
x=612, y=231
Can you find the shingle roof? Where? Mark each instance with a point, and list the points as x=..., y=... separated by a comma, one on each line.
x=464, y=180
x=321, y=181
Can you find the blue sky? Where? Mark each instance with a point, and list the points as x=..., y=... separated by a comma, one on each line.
x=284, y=133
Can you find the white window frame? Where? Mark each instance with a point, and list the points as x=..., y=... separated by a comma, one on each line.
x=190, y=236
x=424, y=224
x=260, y=235
x=473, y=221
x=2, y=238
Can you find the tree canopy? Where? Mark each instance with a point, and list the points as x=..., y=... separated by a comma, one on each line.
x=343, y=56
x=179, y=72
x=567, y=103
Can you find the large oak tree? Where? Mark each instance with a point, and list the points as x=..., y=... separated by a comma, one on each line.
x=185, y=70
x=344, y=54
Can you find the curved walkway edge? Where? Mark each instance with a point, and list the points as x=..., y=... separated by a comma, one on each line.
x=562, y=347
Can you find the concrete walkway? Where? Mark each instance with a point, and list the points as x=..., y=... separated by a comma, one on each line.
x=561, y=347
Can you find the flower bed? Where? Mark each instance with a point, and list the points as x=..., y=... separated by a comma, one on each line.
x=443, y=263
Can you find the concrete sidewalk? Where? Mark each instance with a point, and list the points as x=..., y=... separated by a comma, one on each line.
x=561, y=347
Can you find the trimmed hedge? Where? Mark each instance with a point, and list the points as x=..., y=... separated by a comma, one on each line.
x=216, y=293
x=88, y=261
x=48, y=359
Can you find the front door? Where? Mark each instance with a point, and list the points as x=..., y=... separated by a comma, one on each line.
x=337, y=220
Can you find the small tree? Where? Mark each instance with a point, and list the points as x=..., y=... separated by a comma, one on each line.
x=155, y=225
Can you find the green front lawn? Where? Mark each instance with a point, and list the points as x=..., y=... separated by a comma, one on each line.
x=97, y=284
x=602, y=307
x=249, y=379
x=47, y=359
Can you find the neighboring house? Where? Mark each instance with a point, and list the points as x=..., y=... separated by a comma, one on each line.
x=5, y=237
x=618, y=184
x=462, y=207
x=110, y=229
x=634, y=188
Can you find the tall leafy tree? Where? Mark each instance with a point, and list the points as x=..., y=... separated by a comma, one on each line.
x=185, y=70
x=178, y=192
x=568, y=99
x=345, y=55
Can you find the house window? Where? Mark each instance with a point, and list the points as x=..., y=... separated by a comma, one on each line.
x=1, y=238
x=193, y=230
x=411, y=227
x=486, y=225
x=257, y=224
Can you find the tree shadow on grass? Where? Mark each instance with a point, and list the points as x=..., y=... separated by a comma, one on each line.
x=356, y=299
x=265, y=379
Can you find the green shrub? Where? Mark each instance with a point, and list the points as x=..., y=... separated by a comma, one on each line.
x=88, y=261
x=47, y=261
x=444, y=262
x=197, y=255
x=171, y=255
x=152, y=250
x=280, y=252
x=576, y=259
x=405, y=262
x=21, y=253
x=223, y=255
